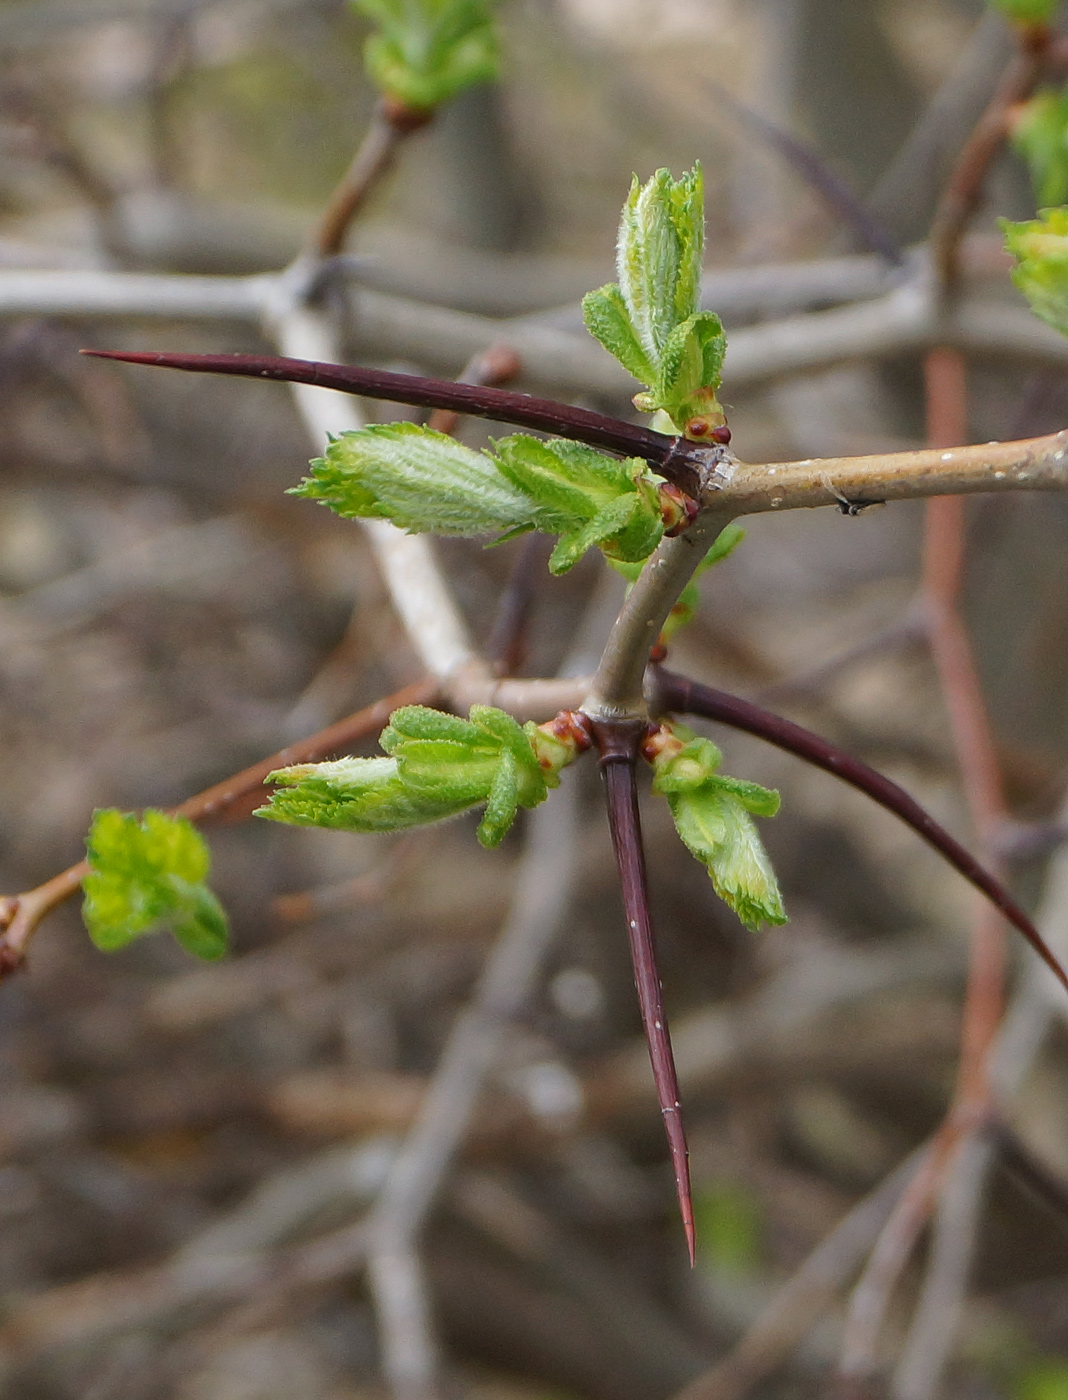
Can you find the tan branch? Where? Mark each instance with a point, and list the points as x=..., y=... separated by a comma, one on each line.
x=1034, y=464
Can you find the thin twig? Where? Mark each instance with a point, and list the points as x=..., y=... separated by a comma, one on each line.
x=390, y=124
x=964, y=188
x=817, y=173
x=711, y=476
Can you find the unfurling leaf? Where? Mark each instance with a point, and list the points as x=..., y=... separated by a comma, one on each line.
x=424, y=482
x=426, y=51
x=149, y=874
x=712, y=816
x=438, y=767
x=1040, y=134
x=1040, y=247
x=650, y=320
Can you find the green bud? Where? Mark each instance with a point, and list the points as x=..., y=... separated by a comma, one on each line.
x=1040, y=247
x=426, y=51
x=149, y=874
x=712, y=816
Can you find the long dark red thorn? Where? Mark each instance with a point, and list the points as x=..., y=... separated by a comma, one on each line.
x=689, y=465
x=618, y=743
x=684, y=696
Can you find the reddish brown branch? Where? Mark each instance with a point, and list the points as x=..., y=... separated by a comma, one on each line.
x=617, y=743
x=964, y=187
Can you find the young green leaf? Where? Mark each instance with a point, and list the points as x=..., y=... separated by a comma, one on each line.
x=421, y=480
x=424, y=481
x=149, y=874
x=712, y=816
x=438, y=766
x=426, y=51
x=1040, y=247
x=650, y=320
x=1040, y=134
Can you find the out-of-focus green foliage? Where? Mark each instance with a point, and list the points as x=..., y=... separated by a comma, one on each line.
x=1027, y=11
x=1040, y=134
x=1040, y=248
x=149, y=874
x=730, y=1228
x=426, y=51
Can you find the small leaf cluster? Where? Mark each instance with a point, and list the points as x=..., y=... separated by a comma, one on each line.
x=149, y=874
x=649, y=320
x=712, y=816
x=426, y=482
x=1027, y=11
x=1040, y=134
x=437, y=766
x=426, y=51
x=1040, y=248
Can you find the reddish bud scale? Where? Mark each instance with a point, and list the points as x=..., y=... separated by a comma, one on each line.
x=677, y=510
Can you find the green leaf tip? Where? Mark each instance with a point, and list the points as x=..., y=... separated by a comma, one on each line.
x=651, y=319
x=437, y=766
x=426, y=482
x=1040, y=134
x=713, y=816
x=146, y=874
x=1027, y=11
x=426, y=51
x=1040, y=248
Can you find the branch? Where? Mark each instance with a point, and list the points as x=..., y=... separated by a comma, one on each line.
x=617, y=688
x=709, y=475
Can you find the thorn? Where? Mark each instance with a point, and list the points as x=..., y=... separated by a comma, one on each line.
x=680, y=1161
x=618, y=742
x=684, y=696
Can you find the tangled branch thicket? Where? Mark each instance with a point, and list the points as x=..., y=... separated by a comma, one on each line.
x=404, y=1138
